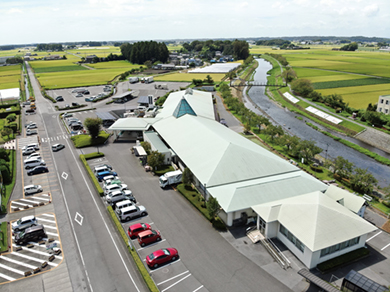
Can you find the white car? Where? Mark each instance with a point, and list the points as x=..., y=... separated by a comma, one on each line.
x=111, y=188
x=32, y=189
x=31, y=132
x=28, y=151
x=35, y=154
x=32, y=145
x=24, y=223
x=57, y=147
x=32, y=126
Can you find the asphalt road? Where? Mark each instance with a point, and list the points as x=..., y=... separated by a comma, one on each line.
x=96, y=257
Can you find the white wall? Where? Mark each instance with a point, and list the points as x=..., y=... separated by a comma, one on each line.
x=271, y=229
x=304, y=257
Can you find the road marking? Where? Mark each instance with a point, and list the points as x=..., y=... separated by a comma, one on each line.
x=7, y=277
x=198, y=288
x=164, y=266
x=176, y=283
x=21, y=204
x=11, y=269
x=41, y=219
x=53, y=234
x=150, y=245
x=50, y=227
x=29, y=201
x=49, y=215
x=39, y=198
x=79, y=221
x=18, y=262
x=173, y=278
x=385, y=246
x=33, y=259
x=64, y=175
x=373, y=236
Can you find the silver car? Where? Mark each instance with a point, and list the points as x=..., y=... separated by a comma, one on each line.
x=24, y=223
x=32, y=189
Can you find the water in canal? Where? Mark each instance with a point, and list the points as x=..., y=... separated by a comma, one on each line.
x=258, y=102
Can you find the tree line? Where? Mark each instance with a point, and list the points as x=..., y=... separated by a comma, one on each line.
x=47, y=47
x=273, y=42
x=140, y=52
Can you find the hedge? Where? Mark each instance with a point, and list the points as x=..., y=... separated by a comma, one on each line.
x=343, y=259
x=142, y=269
x=90, y=172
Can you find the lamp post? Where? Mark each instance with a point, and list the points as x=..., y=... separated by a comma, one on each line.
x=326, y=152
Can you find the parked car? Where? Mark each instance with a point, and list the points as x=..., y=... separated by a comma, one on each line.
x=122, y=204
x=86, y=91
x=128, y=213
x=75, y=104
x=59, y=98
x=115, y=196
x=57, y=147
x=32, y=189
x=34, y=233
x=31, y=145
x=114, y=187
x=102, y=174
x=30, y=111
x=33, y=162
x=135, y=229
x=129, y=196
x=24, y=223
x=103, y=165
x=223, y=122
x=31, y=126
x=28, y=151
x=35, y=154
x=67, y=106
x=29, y=123
x=79, y=95
x=107, y=179
x=67, y=115
x=71, y=120
x=162, y=256
x=37, y=170
x=31, y=132
x=148, y=237
x=90, y=99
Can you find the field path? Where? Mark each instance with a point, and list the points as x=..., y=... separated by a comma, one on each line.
x=90, y=68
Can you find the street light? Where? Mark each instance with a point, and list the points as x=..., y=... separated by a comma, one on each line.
x=326, y=152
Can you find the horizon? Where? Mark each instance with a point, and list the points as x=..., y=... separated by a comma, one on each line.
x=100, y=20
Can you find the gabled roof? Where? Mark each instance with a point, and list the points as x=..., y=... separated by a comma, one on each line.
x=345, y=198
x=132, y=124
x=315, y=219
x=183, y=108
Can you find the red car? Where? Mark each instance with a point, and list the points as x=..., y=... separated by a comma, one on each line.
x=148, y=236
x=137, y=228
x=162, y=256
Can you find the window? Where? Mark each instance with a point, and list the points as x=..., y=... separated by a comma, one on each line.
x=387, y=102
x=292, y=238
x=386, y=111
x=381, y=100
x=339, y=246
x=380, y=109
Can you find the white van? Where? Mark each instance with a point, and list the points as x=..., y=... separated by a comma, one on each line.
x=37, y=157
x=33, y=162
x=102, y=168
x=32, y=145
x=122, y=204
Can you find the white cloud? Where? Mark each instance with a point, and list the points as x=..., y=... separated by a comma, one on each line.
x=371, y=10
x=14, y=11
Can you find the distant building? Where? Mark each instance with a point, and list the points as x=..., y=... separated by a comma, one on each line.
x=52, y=57
x=383, y=104
x=89, y=59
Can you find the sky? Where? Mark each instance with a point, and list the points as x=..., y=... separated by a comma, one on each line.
x=44, y=21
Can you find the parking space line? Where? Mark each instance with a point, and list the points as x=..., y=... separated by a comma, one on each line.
x=385, y=246
x=34, y=259
x=18, y=262
x=39, y=198
x=45, y=220
x=12, y=269
x=176, y=283
x=150, y=245
x=7, y=277
x=163, y=266
x=37, y=251
x=50, y=227
x=198, y=288
x=13, y=202
x=173, y=278
x=53, y=234
x=25, y=200
x=373, y=236
x=48, y=215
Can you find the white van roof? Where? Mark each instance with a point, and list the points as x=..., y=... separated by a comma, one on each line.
x=121, y=203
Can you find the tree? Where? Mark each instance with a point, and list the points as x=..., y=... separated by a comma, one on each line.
x=192, y=65
x=308, y=150
x=11, y=117
x=187, y=177
x=342, y=167
x=289, y=74
x=147, y=147
x=4, y=154
x=197, y=82
x=302, y=86
x=155, y=159
x=247, y=127
x=93, y=125
x=362, y=181
x=209, y=80
x=373, y=118
x=240, y=50
x=6, y=132
x=350, y=47
x=148, y=64
x=274, y=131
x=212, y=206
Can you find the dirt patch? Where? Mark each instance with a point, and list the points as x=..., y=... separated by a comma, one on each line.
x=386, y=226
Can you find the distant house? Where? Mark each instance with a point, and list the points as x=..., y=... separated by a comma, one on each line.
x=383, y=104
x=89, y=59
x=52, y=57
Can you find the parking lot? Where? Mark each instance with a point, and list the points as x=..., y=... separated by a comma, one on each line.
x=34, y=258
x=173, y=276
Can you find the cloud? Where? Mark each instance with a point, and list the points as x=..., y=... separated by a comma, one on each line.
x=14, y=11
x=371, y=10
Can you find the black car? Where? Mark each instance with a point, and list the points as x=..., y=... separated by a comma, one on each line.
x=37, y=170
x=59, y=98
x=86, y=92
x=75, y=104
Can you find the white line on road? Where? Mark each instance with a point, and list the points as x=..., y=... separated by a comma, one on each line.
x=173, y=278
x=48, y=215
x=39, y=198
x=41, y=219
x=162, y=267
x=385, y=246
x=11, y=269
x=7, y=277
x=50, y=227
x=16, y=203
x=28, y=201
x=38, y=252
x=50, y=233
x=18, y=262
x=150, y=245
x=198, y=288
x=373, y=236
x=34, y=259
x=176, y=283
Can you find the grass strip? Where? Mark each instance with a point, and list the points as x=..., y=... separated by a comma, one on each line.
x=10, y=187
x=343, y=260
x=81, y=141
x=3, y=237
x=83, y=159
x=142, y=269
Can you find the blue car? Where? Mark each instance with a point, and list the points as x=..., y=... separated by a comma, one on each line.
x=102, y=174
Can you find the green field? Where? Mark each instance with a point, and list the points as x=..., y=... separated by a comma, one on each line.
x=10, y=76
x=187, y=77
x=349, y=83
x=55, y=66
x=125, y=65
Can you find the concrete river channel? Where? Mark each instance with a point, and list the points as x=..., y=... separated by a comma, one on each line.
x=258, y=102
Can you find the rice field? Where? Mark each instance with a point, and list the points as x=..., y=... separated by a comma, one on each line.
x=55, y=66
x=350, y=82
x=125, y=65
x=187, y=77
x=10, y=76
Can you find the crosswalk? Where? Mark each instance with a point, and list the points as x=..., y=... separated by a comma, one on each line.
x=55, y=139
x=30, y=202
x=36, y=257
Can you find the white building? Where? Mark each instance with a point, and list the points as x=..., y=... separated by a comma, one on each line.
x=383, y=104
x=314, y=221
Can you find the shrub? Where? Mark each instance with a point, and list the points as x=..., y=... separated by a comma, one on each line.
x=343, y=259
x=219, y=224
x=91, y=174
x=85, y=140
x=93, y=155
x=6, y=174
